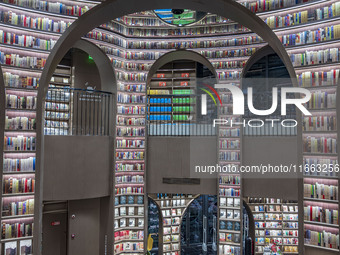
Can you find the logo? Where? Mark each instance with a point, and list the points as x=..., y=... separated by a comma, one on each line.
x=238, y=100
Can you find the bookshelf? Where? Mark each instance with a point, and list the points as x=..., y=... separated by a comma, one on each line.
x=276, y=222
x=172, y=207
x=171, y=97
x=58, y=105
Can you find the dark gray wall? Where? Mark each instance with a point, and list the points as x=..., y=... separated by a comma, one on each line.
x=172, y=157
x=54, y=237
x=85, y=226
x=85, y=70
x=77, y=167
x=274, y=151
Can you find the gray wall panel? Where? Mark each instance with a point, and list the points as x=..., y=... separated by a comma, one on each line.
x=77, y=167
x=274, y=151
x=172, y=157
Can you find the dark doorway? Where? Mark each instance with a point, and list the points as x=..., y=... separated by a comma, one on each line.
x=203, y=209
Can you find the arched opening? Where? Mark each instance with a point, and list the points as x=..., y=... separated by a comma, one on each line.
x=177, y=95
x=199, y=226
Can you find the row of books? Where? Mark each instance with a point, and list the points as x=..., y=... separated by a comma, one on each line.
x=322, y=100
x=55, y=124
x=230, y=214
x=130, y=132
x=41, y=23
x=129, y=66
x=129, y=222
x=309, y=36
x=55, y=7
x=56, y=106
x=189, y=44
x=57, y=115
x=19, y=164
x=129, y=155
x=129, y=179
x=129, y=211
x=26, y=41
x=230, y=225
x=319, y=123
x=171, y=212
x=321, y=191
x=277, y=240
x=229, y=75
x=55, y=131
x=229, y=179
x=19, y=143
x=129, y=190
x=21, y=102
x=20, y=123
x=261, y=6
x=58, y=95
x=272, y=216
x=229, y=132
x=229, y=64
x=130, y=98
x=171, y=221
x=229, y=192
x=130, y=167
x=128, y=247
x=322, y=239
x=229, y=250
x=321, y=78
x=142, y=21
x=129, y=235
x=319, y=144
x=321, y=214
x=289, y=19
x=315, y=57
x=229, y=144
x=123, y=143
x=22, y=61
x=171, y=230
x=14, y=185
x=20, y=81
x=320, y=166
x=131, y=76
x=122, y=200
x=228, y=53
x=270, y=224
x=229, y=155
x=130, y=121
x=130, y=109
x=15, y=230
x=230, y=237
x=183, y=31
x=16, y=208
x=131, y=87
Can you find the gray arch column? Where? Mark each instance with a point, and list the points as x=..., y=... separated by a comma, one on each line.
x=179, y=55
x=2, y=125
x=108, y=84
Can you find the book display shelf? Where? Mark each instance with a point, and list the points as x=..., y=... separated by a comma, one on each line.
x=172, y=207
x=172, y=98
x=28, y=31
x=276, y=225
x=58, y=117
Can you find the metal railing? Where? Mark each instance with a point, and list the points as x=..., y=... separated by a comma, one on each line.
x=71, y=111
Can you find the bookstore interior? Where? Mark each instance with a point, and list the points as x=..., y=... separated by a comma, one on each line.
x=134, y=90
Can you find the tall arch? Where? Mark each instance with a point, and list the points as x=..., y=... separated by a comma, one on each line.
x=108, y=84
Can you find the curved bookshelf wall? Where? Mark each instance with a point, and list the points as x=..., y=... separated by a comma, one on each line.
x=133, y=43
